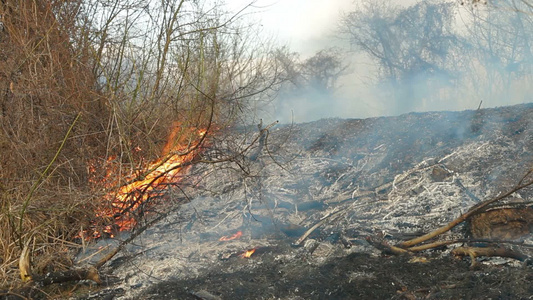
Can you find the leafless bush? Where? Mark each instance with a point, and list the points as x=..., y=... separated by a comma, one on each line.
x=82, y=81
x=45, y=81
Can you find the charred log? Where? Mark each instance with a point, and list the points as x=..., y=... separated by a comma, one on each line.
x=508, y=223
x=474, y=252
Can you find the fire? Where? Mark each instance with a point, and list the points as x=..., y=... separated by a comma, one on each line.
x=149, y=183
x=248, y=253
x=237, y=235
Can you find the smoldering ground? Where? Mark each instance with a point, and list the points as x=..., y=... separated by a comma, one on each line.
x=381, y=172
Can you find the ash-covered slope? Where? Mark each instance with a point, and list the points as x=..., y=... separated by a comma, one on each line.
x=420, y=164
x=396, y=175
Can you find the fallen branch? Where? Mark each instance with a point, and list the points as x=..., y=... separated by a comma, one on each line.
x=438, y=244
x=384, y=247
x=90, y=273
x=318, y=224
x=409, y=247
x=474, y=252
x=477, y=208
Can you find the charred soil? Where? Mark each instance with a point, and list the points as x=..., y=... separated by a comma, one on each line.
x=356, y=276
x=397, y=176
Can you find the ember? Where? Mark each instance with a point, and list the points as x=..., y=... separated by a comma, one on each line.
x=237, y=235
x=248, y=253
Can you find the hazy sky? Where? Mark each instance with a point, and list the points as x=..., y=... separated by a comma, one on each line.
x=303, y=24
x=308, y=26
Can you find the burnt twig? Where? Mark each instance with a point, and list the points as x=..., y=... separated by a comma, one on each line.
x=474, y=252
x=318, y=224
x=384, y=247
x=477, y=208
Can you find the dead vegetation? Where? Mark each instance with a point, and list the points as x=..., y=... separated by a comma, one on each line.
x=495, y=226
x=47, y=88
x=76, y=92
x=86, y=106
x=383, y=177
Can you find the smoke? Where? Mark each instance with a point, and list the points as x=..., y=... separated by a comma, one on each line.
x=477, y=55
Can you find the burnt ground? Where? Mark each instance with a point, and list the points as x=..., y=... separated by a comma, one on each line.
x=355, y=276
x=396, y=176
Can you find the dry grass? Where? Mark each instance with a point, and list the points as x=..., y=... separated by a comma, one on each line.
x=50, y=223
x=46, y=81
x=57, y=64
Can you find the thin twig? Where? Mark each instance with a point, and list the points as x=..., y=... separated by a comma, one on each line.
x=466, y=215
x=42, y=177
x=135, y=234
x=318, y=224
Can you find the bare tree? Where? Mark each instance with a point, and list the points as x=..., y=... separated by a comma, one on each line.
x=409, y=45
x=500, y=50
x=522, y=6
x=324, y=69
x=319, y=72
x=290, y=65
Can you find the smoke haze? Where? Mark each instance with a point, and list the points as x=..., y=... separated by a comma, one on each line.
x=469, y=69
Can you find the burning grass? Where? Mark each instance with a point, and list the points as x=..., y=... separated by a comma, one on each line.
x=75, y=94
x=129, y=201
x=51, y=219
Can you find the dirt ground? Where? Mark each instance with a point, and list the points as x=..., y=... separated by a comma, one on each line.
x=356, y=276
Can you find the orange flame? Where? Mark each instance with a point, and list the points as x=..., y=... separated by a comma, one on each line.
x=248, y=253
x=237, y=235
x=151, y=182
